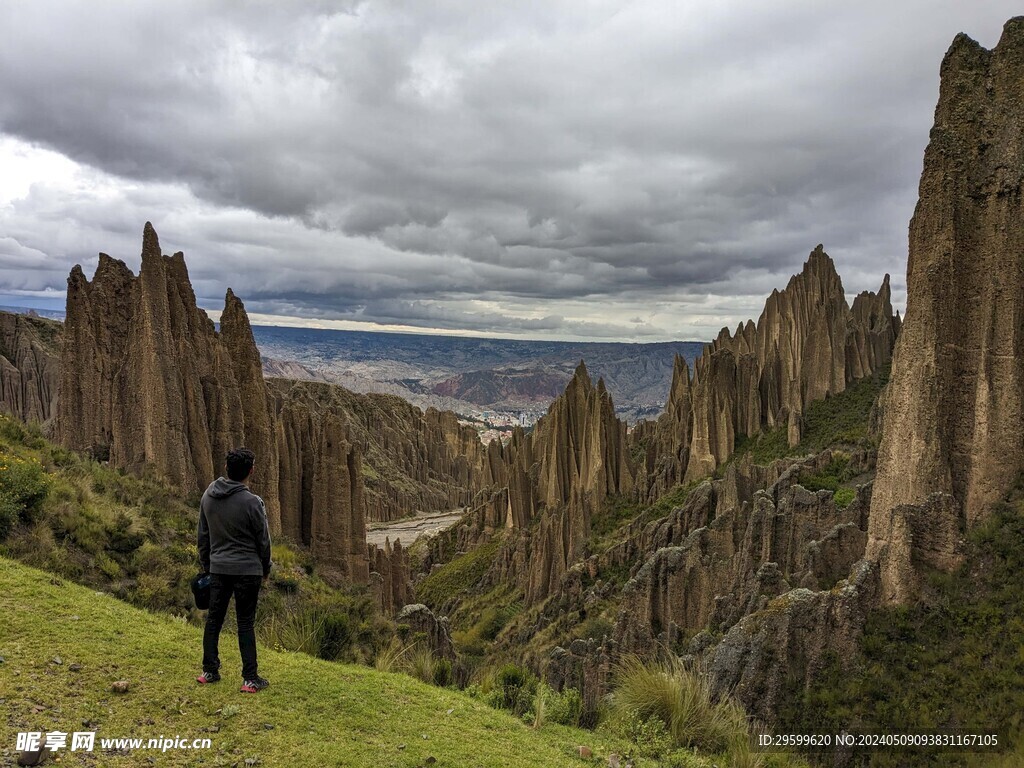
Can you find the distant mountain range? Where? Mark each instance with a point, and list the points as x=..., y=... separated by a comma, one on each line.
x=467, y=375
x=50, y=314
x=473, y=375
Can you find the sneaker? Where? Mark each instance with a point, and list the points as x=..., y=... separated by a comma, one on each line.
x=255, y=685
x=208, y=677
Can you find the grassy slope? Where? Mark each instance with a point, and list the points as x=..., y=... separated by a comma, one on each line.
x=323, y=713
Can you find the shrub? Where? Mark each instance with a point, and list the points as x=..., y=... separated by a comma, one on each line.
x=513, y=689
x=152, y=591
x=844, y=497
x=24, y=486
x=11, y=430
x=595, y=628
x=422, y=664
x=680, y=698
x=442, y=673
x=392, y=657
x=298, y=631
x=831, y=476
x=565, y=708
x=335, y=635
x=650, y=734
x=10, y=511
x=121, y=537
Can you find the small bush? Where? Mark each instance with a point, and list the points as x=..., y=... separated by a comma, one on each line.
x=565, y=708
x=422, y=664
x=392, y=657
x=442, y=673
x=844, y=497
x=12, y=431
x=595, y=628
x=24, y=486
x=152, y=591
x=10, y=512
x=650, y=734
x=513, y=689
x=680, y=698
x=335, y=635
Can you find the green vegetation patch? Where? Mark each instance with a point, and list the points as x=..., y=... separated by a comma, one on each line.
x=835, y=420
x=458, y=576
x=484, y=617
x=136, y=538
x=833, y=478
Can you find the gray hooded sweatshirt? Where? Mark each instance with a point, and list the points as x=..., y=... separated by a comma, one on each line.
x=234, y=538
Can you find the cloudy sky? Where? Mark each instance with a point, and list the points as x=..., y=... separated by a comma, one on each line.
x=587, y=170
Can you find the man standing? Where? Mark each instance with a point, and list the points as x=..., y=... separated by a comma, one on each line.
x=234, y=548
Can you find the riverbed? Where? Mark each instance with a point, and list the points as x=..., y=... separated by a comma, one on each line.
x=410, y=528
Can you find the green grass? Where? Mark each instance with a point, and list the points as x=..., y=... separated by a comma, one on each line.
x=953, y=660
x=483, y=618
x=322, y=713
x=617, y=513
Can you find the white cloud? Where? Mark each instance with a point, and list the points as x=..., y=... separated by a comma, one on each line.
x=557, y=169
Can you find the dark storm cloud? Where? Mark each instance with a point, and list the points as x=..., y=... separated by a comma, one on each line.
x=557, y=168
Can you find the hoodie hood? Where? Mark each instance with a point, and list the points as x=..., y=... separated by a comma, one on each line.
x=221, y=488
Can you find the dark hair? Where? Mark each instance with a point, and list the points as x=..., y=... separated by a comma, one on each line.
x=240, y=461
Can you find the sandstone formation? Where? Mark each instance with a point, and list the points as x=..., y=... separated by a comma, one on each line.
x=737, y=546
x=390, y=576
x=954, y=408
x=423, y=626
x=788, y=644
x=147, y=382
x=28, y=367
x=732, y=547
x=338, y=519
x=807, y=344
x=547, y=486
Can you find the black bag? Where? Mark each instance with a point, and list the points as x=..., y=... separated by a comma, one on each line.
x=201, y=590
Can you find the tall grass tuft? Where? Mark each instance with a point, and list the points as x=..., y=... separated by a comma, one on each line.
x=422, y=664
x=392, y=658
x=680, y=698
x=302, y=631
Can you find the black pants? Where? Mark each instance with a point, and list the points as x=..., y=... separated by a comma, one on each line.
x=246, y=590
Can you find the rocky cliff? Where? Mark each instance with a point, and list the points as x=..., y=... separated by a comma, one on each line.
x=951, y=444
x=807, y=344
x=147, y=382
x=735, y=546
x=954, y=412
x=29, y=349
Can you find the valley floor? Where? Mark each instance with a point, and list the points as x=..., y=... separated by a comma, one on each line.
x=409, y=529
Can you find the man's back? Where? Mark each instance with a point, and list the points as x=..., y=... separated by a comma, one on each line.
x=234, y=538
x=234, y=548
